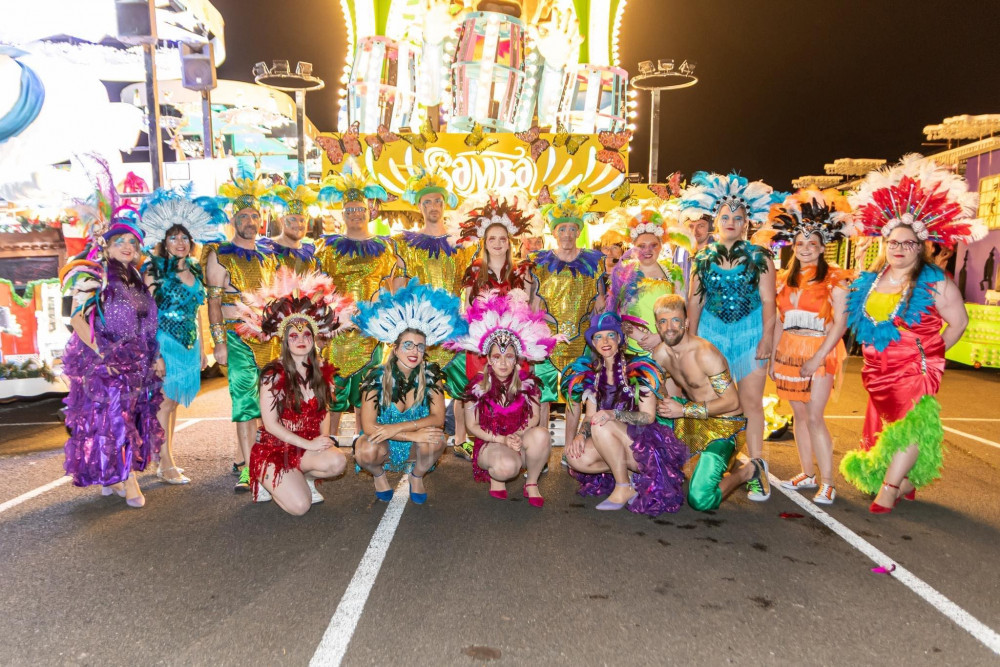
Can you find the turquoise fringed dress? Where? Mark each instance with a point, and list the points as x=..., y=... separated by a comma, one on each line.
x=177, y=327
x=399, y=450
x=731, y=312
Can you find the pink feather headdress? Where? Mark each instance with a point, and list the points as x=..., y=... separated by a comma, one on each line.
x=507, y=320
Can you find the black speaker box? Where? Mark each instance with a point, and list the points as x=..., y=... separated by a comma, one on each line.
x=197, y=66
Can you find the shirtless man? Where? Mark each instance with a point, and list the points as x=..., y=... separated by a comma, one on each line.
x=707, y=418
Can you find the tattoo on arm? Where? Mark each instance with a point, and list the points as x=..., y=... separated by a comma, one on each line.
x=634, y=417
x=584, y=430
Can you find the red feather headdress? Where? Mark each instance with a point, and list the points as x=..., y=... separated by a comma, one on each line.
x=311, y=297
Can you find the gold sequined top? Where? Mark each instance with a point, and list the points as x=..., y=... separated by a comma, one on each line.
x=358, y=268
x=568, y=291
x=300, y=260
x=248, y=270
x=434, y=261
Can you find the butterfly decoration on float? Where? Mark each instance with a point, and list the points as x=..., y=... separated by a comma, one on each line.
x=339, y=146
x=478, y=140
x=569, y=142
x=421, y=140
x=536, y=144
x=378, y=141
x=613, y=145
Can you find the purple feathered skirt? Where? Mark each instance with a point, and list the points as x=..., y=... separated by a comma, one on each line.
x=110, y=412
x=660, y=479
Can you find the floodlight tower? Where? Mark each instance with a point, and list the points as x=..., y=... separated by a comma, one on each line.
x=301, y=81
x=657, y=78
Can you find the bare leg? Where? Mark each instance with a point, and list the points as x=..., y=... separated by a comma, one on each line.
x=572, y=421
x=335, y=425
x=535, y=449
x=425, y=459
x=819, y=434
x=900, y=466
x=803, y=441
x=590, y=462
x=736, y=478
x=292, y=494
x=612, y=441
x=460, y=433
x=501, y=462
x=371, y=457
x=751, y=391
x=246, y=432
x=325, y=464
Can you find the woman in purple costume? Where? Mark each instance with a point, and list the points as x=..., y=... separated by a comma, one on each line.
x=113, y=365
x=620, y=451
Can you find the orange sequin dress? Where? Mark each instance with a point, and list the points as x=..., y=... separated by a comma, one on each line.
x=806, y=312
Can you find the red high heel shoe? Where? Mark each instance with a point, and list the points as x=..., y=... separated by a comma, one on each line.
x=875, y=508
x=912, y=495
x=534, y=502
x=499, y=495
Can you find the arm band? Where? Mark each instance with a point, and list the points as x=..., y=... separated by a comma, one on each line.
x=634, y=417
x=218, y=333
x=694, y=410
x=721, y=382
x=214, y=292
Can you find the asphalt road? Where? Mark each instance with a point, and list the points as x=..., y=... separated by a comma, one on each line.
x=201, y=576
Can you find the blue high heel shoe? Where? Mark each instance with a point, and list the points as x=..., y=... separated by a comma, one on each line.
x=384, y=496
x=418, y=498
x=608, y=505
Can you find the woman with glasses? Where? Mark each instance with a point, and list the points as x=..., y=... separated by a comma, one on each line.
x=402, y=399
x=112, y=360
x=906, y=313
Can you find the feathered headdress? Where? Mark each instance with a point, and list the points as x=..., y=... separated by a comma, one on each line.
x=245, y=191
x=427, y=182
x=352, y=184
x=433, y=312
x=201, y=216
x=507, y=320
x=934, y=202
x=568, y=206
x=291, y=199
x=497, y=209
x=623, y=292
x=708, y=193
x=104, y=213
x=309, y=298
x=809, y=211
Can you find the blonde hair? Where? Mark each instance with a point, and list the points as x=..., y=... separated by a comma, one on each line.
x=486, y=383
x=387, y=381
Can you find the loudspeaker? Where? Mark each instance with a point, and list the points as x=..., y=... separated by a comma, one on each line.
x=197, y=65
x=136, y=21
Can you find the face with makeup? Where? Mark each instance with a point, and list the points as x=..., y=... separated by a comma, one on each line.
x=902, y=248
x=732, y=224
x=410, y=349
x=432, y=206
x=606, y=343
x=502, y=361
x=246, y=222
x=123, y=248
x=566, y=234
x=496, y=241
x=294, y=226
x=647, y=248
x=671, y=325
x=356, y=217
x=808, y=249
x=299, y=337
x=178, y=244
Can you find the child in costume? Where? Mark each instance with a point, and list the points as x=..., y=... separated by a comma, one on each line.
x=293, y=445
x=173, y=222
x=620, y=449
x=809, y=350
x=502, y=401
x=359, y=265
x=731, y=302
x=112, y=359
x=897, y=311
x=402, y=409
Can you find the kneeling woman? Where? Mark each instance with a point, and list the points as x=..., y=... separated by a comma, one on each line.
x=402, y=400
x=502, y=400
x=293, y=445
x=619, y=434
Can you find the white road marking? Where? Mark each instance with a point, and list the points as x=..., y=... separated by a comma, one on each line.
x=986, y=635
x=972, y=437
x=345, y=619
x=34, y=493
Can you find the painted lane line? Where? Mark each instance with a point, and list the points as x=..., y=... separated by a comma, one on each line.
x=985, y=634
x=972, y=437
x=34, y=424
x=345, y=619
x=14, y=502
x=189, y=422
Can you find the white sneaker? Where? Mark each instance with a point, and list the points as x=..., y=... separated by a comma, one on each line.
x=826, y=495
x=263, y=495
x=317, y=497
x=800, y=482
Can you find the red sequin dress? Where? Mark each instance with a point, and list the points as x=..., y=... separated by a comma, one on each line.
x=304, y=422
x=497, y=416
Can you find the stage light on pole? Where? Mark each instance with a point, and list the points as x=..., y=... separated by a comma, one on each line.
x=656, y=79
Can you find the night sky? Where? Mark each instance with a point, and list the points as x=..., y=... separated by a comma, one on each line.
x=785, y=85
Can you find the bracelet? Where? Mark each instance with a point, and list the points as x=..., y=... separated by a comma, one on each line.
x=218, y=333
x=214, y=292
x=694, y=410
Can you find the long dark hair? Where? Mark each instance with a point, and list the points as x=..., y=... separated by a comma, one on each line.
x=794, y=268
x=314, y=378
x=161, y=247
x=484, y=268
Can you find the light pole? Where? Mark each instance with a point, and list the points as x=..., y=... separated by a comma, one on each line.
x=655, y=79
x=301, y=81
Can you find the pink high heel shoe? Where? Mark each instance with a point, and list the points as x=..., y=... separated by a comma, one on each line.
x=534, y=502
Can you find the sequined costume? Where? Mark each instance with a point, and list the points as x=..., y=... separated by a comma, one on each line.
x=568, y=292
x=520, y=279
x=177, y=333
x=715, y=441
x=113, y=397
x=647, y=291
x=903, y=364
x=359, y=268
x=806, y=312
x=300, y=260
x=248, y=269
x=660, y=456
x=496, y=415
x=399, y=450
x=731, y=313
x=436, y=261
x=304, y=422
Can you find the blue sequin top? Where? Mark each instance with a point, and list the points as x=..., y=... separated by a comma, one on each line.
x=177, y=304
x=730, y=294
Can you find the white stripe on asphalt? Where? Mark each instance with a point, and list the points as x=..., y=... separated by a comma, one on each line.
x=338, y=634
x=971, y=437
x=14, y=502
x=986, y=635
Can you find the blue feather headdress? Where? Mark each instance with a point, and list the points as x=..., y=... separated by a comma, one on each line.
x=202, y=217
x=707, y=193
x=352, y=184
x=434, y=312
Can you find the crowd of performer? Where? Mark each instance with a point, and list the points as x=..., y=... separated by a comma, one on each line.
x=659, y=348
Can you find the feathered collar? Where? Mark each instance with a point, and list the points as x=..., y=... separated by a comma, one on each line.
x=672, y=272
x=913, y=305
x=401, y=384
x=586, y=262
x=587, y=380
x=304, y=254
x=373, y=247
x=164, y=269
x=258, y=253
x=434, y=246
x=743, y=253
x=496, y=396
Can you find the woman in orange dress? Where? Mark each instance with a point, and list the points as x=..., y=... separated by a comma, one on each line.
x=809, y=352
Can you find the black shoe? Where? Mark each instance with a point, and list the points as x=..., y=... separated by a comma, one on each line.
x=236, y=468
